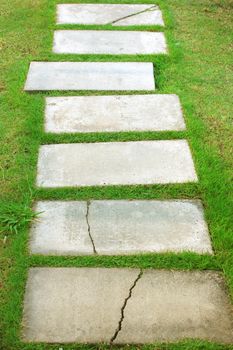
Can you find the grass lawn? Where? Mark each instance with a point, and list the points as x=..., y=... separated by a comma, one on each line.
x=198, y=69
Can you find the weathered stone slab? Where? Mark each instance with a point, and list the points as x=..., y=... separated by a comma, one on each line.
x=109, y=42
x=131, y=227
x=84, y=305
x=115, y=14
x=61, y=229
x=64, y=305
x=115, y=163
x=119, y=227
x=113, y=113
x=44, y=76
x=168, y=306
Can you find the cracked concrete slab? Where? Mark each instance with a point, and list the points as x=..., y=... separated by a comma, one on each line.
x=113, y=113
x=82, y=305
x=119, y=227
x=109, y=42
x=115, y=163
x=109, y=76
x=115, y=14
x=61, y=229
x=169, y=306
x=125, y=306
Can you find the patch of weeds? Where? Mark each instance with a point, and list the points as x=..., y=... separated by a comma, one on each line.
x=14, y=217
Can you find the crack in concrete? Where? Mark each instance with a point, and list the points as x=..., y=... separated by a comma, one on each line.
x=123, y=308
x=134, y=14
x=89, y=227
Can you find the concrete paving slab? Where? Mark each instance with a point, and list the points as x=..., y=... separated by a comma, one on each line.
x=61, y=229
x=83, y=305
x=109, y=42
x=115, y=14
x=45, y=76
x=119, y=227
x=113, y=113
x=168, y=306
x=132, y=227
x=115, y=163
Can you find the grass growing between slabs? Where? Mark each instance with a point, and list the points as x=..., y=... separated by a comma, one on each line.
x=198, y=69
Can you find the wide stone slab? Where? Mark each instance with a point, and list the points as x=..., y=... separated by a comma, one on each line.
x=131, y=227
x=115, y=14
x=168, y=306
x=66, y=305
x=61, y=228
x=45, y=76
x=119, y=227
x=115, y=163
x=109, y=42
x=113, y=113
x=85, y=305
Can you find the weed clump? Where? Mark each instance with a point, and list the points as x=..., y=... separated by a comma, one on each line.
x=14, y=217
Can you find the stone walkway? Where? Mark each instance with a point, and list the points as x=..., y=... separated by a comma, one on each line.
x=116, y=306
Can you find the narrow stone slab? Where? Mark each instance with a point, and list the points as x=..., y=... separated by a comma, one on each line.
x=168, y=306
x=85, y=305
x=64, y=305
x=115, y=14
x=109, y=42
x=44, y=76
x=115, y=163
x=131, y=227
x=113, y=113
x=119, y=227
x=61, y=229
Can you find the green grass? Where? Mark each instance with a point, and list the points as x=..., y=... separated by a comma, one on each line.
x=198, y=69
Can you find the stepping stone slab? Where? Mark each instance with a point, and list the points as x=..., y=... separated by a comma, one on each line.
x=85, y=305
x=66, y=305
x=129, y=227
x=44, y=76
x=115, y=163
x=108, y=42
x=61, y=228
x=176, y=305
x=119, y=227
x=113, y=113
x=116, y=14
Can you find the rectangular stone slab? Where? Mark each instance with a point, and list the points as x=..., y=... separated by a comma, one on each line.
x=119, y=227
x=169, y=306
x=113, y=113
x=66, y=305
x=134, y=227
x=115, y=14
x=115, y=163
x=61, y=228
x=85, y=305
x=45, y=76
x=109, y=42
